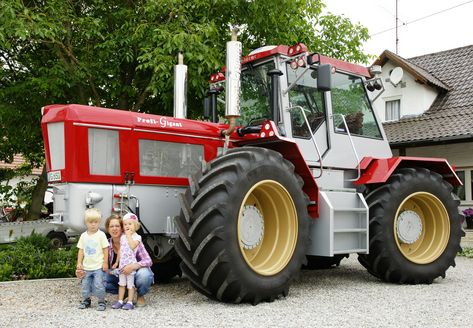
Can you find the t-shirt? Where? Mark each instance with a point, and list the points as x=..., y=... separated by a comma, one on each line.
x=128, y=255
x=93, y=245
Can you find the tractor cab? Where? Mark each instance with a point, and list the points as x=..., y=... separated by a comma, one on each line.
x=323, y=104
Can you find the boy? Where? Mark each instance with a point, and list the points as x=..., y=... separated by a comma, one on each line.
x=92, y=259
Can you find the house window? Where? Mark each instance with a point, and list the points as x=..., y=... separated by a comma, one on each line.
x=465, y=192
x=393, y=110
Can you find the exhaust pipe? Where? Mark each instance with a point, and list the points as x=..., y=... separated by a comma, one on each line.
x=232, y=82
x=180, y=88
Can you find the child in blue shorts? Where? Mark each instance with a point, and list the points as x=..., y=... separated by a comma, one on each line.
x=92, y=260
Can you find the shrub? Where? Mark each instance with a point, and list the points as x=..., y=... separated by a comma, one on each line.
x=63, y=263
x=466, y=252
x=34, y=240
x=32, y=258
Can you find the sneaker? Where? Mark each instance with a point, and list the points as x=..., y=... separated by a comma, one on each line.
x=101, y=306
x=84, y=304
x=128, y=306
x=117, y=305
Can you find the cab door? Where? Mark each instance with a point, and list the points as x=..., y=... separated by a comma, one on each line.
x=307, y=114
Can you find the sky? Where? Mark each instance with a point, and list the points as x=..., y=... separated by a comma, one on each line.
x=424, y=26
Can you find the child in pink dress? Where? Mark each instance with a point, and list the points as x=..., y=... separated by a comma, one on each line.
x=129, y=242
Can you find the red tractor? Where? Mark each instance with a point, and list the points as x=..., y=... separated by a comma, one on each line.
x=300, y=174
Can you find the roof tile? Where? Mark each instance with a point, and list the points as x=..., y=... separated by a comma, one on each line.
x=451, y=113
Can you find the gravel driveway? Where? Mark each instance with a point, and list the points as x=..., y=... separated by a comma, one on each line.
x=346, y=296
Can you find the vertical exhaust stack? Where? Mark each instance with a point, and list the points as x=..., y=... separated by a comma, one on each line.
x=232, y=81
x=180, y=88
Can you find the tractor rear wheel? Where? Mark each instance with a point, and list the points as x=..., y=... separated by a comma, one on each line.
x=57, y=239
x=415, y=228
x=243, y=228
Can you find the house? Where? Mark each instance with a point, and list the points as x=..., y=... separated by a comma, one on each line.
x=429, y=113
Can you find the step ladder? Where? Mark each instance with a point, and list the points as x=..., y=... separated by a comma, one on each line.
x=342, y=226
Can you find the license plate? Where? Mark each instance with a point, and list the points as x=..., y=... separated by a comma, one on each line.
x=54, y=176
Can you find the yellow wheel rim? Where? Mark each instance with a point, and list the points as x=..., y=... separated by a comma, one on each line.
x=421, y=228
x=267, y=227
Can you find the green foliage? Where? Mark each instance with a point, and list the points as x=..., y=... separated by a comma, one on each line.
x=18, y=197
x=32, y=258
x=120, y=54
x=37, y=241
x=466, y=252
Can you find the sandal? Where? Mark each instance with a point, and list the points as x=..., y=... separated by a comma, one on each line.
x=128, y=306
x=101, y=306
x=84, y=304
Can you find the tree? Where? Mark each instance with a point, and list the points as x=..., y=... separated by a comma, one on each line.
x=121, y=53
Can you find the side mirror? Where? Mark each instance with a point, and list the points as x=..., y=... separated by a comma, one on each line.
x=324, y=77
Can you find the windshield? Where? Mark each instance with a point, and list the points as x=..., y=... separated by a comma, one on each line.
x=254, y=99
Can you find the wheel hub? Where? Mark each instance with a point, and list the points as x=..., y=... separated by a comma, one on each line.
x=251, y=227
x=409, y=227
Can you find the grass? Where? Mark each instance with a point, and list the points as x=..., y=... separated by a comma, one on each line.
x=466, y=252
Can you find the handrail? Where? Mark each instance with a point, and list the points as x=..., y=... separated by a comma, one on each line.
x=312, y=137
x=352, y=145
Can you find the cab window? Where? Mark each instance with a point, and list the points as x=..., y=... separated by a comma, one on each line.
x=349, y=98
x=304, y=97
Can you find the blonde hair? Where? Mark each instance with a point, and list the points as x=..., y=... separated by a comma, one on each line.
x=135, y=223
x=92, y=214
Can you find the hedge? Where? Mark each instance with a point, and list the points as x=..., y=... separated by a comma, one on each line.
x=33, y=258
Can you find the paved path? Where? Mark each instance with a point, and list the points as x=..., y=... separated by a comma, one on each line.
x=467, y=241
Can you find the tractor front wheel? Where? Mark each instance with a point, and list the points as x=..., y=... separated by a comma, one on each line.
x=244, y=226
x=415, y=228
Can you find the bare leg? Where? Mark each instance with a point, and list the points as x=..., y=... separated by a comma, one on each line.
x=121, y=293
x=131, y=293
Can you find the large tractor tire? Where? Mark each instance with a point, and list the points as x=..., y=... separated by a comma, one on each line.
x=243, y=229
x=415, y=228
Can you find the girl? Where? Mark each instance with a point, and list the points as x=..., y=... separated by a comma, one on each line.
x=129, y=242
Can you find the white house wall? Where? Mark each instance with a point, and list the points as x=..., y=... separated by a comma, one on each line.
x=454, y=153
x=415, y=97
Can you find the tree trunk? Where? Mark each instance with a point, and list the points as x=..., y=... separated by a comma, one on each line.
x=38, y=196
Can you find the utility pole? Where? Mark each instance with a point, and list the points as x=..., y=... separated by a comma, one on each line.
x=397, y=21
